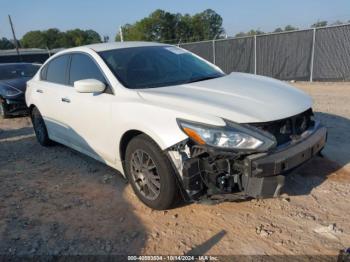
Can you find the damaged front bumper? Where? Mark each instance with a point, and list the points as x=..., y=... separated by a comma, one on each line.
x=265, y=173
x=206, y=173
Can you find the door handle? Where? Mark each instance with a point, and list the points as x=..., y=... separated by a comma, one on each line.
x=39, y=91
x=66, y=100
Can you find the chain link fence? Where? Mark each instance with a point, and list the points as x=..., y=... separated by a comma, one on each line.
x=321, y=54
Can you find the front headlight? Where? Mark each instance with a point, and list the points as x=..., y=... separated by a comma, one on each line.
x=231, y=136
x=9, y=91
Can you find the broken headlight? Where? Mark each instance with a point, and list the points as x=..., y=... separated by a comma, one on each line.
x=231, y=136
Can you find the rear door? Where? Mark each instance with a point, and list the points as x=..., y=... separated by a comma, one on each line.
x=89, y=115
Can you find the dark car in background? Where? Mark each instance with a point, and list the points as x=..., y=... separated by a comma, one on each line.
x=13, y=81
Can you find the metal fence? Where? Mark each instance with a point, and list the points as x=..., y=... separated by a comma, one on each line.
x=321, y=54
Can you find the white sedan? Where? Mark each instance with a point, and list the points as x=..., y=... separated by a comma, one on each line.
x=173, y=123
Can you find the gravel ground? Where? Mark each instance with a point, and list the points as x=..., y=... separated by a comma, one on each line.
x=332, y=107
x=57, y=201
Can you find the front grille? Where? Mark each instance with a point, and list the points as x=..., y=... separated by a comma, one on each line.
x=286, y=129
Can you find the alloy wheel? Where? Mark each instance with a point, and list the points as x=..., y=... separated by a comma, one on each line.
x=145, y=175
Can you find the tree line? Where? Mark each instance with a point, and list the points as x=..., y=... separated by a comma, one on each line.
x=54, y=38
x=162, y=26
x=159, y=26
x=288, y=28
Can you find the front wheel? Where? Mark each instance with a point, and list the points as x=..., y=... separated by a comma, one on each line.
x=40, y=128
x=150, y=173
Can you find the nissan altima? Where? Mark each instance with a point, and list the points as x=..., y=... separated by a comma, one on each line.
x=173, y=123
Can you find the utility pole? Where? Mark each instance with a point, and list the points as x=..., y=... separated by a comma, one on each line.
x=14, y=37
x=121, y=34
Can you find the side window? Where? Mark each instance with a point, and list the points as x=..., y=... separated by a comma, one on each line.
x=83, y=67
x=57, y=68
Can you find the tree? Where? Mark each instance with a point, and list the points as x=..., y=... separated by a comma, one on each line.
x=338, y=22
x=207, y=25
x=51, y=38
x=34, y=39
x=6, y=44
x=75, y=37
x=184, y=29
x=255, y=32
x=93, y=37
x=158, y=26
x=251, y=32
x=54, y=38
x=319, y=24
x=241, y=34
x=290, y=28
x=131, y=32
x=278, y=30
x=162, y=26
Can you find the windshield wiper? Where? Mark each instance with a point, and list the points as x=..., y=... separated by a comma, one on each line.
x=198, y=79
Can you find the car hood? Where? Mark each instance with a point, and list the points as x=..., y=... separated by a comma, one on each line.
x=239, y=97
x=18, y=83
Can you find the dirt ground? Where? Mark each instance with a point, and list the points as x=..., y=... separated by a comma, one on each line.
x=57, y=201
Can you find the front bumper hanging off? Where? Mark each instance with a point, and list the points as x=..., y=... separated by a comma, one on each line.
x=258, y=175
x=265, y=173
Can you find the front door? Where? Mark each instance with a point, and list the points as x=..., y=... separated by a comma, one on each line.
x=89, y=115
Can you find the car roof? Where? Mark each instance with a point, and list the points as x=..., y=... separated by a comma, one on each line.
x=117, y=45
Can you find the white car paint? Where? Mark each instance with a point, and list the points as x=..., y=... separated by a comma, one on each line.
x=95, y=124
x=239, y=97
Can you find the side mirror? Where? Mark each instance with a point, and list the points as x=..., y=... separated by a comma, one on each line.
x=89, y=86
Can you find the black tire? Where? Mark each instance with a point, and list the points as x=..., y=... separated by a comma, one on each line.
x=168, y=191
x=3, y=110
x=40, y=128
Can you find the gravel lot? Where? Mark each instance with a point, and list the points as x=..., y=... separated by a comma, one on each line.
x=57, y=201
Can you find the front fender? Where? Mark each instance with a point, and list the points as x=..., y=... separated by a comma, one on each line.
x=159, y=123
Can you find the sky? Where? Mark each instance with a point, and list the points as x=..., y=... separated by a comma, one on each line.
x=106, y=16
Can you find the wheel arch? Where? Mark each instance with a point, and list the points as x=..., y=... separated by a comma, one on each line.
x=125, y=140
x=31, y=107
x=129, y=135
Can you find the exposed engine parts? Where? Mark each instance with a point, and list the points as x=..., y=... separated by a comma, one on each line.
x=206, y=173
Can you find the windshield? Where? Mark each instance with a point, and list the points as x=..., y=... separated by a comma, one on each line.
x=17, y=71
x=157, y=66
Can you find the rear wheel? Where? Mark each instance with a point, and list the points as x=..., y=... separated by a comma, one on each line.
x=3, y=110
x=40, y=128
x=150, y=173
